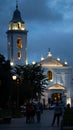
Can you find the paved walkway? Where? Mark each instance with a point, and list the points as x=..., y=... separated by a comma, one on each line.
x=20, y=124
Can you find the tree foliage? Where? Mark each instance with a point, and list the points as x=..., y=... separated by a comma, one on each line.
x=5, y=81
x=32, y=80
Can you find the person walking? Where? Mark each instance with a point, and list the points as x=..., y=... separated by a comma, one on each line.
x=57, y=114
x=30, y=112
x=39, y=110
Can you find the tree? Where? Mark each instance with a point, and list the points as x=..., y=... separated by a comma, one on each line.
x=32, y=81
x=5, y=80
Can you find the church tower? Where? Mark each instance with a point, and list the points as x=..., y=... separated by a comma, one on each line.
x=17, y=40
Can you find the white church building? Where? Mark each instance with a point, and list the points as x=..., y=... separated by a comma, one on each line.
x=59, y=74
x=59, y=84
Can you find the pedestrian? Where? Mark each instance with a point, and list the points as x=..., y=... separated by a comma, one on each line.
x=57, y=114
x=30, y=112
x=68, y=107
x=39, y=110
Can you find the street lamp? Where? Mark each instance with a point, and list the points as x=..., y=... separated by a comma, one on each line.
x=14, y=77
x=10, y=96
x=17, y=79
x=18, y=85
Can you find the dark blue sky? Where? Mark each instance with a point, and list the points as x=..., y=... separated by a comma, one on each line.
x=50, y=25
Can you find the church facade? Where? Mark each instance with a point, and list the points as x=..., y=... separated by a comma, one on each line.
x=59, y=74
x=59, y=84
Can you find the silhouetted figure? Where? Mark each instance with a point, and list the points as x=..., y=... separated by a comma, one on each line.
x=39, y=110
x=68, y=106
x=30, y=112
x=57, y=114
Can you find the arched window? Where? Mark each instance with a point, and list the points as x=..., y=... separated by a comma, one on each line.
x=19, y=25
x=19, y=55
x=19, y=43
x=49, y=75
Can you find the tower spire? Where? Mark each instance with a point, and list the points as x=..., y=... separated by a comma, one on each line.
x=49, y=53
x=48, y=49
x=16, y=4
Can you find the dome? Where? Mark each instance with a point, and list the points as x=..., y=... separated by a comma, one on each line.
x=17, y=16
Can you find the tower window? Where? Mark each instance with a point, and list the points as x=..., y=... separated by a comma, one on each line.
x=19, y=43
x=19, y=25
x=19, y=55
x=11, y=26
x=49, y=75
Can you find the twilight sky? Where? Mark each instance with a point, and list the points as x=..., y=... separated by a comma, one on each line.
x=50, y=25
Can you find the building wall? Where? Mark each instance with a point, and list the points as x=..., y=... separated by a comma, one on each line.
x=13, y=50
x=62, y=76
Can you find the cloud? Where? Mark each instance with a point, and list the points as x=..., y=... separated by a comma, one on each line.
x=39, y=10
x=49, y=22
x=64, y=7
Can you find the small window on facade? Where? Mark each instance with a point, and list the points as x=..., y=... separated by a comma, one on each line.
x=19, y=43
x=19, y=25
x=19, y=55
x=49, y=75
x=11, y=25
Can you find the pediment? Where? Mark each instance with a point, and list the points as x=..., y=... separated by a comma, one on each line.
x=50, y=61
x=56, y=86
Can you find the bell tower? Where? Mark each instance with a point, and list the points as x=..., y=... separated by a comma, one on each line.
x=17, y=39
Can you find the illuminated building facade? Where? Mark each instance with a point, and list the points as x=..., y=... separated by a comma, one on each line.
x=17, y=40
x=59, y=75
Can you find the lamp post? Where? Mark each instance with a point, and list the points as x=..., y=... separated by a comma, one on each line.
x=14, y=77
x=17, y=79
x=18, y=85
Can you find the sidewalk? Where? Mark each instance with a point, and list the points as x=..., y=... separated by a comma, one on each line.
x=20, y=124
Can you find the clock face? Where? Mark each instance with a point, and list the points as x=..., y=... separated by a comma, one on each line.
x=19, y=43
